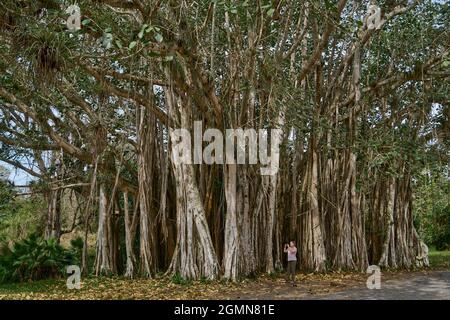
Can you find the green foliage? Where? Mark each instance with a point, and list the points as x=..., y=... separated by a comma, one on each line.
x=6, y=195
x=76, y=249
x=35, y=258
x=6, y=190
x=437, y=227
x=77, y=243
x=204, y=280
x=20, y=216
x=432, y=208
x=178, y=279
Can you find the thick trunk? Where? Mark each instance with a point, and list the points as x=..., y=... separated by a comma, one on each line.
x=148, y=242
x=247, y=259
x=231, y=247
x=194, y=254
x=104, y=260
x=387, y=255
x=402, y=248
x=272, y=178
x=421, y=253
x=346, y=240
x=359, y=247
x=343, y=251
x=312, y=245
x=147, y=256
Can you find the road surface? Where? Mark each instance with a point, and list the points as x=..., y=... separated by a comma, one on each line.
x=429, y=285
x=435, y=286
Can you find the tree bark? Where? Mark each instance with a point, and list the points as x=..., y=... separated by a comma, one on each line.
x=104, y=261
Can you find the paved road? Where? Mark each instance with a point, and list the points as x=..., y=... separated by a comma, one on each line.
x=434, y=286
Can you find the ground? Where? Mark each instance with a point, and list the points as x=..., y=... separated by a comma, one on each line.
x=414, y=285
x=433, y=286
x=430, y=283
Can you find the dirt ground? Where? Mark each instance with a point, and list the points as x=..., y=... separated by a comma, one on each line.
x=425, y=284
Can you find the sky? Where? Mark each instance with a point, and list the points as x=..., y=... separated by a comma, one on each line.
x=18, y=176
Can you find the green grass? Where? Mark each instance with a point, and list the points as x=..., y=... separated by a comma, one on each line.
x=178, y=279
x=439, y=259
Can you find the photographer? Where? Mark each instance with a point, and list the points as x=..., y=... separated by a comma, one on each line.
x=291, y=251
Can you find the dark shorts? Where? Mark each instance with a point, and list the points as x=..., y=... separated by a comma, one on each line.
x=291, y=267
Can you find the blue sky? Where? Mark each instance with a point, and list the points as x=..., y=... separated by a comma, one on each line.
x=18, y=176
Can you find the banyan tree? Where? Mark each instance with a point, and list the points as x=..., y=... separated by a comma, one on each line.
x=94, y=109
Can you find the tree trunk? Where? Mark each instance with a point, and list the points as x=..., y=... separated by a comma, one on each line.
x=231, y=247
x=53, y=226
x=402, y=248
x=130, y=228
x=148, y=242
x=104, y=261
x=313, y=251
x=194, y=254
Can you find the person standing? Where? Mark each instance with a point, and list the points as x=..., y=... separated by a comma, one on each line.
x=291, y=251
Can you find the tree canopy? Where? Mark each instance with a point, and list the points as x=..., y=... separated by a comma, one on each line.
x=362, y=109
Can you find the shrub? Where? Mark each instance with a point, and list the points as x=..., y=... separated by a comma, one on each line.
x=33, y=259
x=76, y=249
